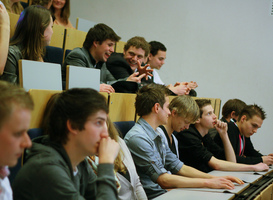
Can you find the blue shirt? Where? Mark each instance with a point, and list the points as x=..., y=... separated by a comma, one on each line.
x=151, y=155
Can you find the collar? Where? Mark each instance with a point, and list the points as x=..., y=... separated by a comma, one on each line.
x=4, y=172
x=93, y=61
x=148, y=129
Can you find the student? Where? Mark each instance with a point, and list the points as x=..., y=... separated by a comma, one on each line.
x=4, y=36
x=15, y=108
x=56, y=165
x=97, y=47
x=13, y=6
x=197, y=149
x=46, y=3
x=184, y=111
x=122, y=65
x=153, y=159
x=33, y=32
x=128, y=183
x=156, y=60
x=61, y=11
x=231, y=110
x=239, y=132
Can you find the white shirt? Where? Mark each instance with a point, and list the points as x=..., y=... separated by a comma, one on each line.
x=5, y=189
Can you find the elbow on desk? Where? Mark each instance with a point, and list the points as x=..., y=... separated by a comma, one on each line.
x=163, y=181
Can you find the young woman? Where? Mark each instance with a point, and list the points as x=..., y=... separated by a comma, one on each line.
x=46, y=3
x=13, y=6
x=33, y=32
x=128, y=183
x=61, y=11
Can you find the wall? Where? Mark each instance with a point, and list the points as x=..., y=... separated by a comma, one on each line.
x=225, y=46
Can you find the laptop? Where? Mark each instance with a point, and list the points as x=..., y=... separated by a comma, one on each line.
x=82, y=77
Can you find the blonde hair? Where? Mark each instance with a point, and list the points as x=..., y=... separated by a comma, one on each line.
x=113, y=133
x=185, y=107
x=16, y=7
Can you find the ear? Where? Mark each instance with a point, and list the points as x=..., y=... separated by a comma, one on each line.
x=70, y=128
x=232, y=114
x=156, y=107
x=150, y=56
x=173, y=113
x=243, y=118
x=197, y=121
x=95, y=43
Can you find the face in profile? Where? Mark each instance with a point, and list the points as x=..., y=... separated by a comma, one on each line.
x=48, y=32
x=13, y=136
x=103, y=50
x=249, y=127
x=132, y=55
x=158, y=60
x=164, y=112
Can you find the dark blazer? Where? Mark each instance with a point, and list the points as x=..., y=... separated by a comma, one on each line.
x=251, y=156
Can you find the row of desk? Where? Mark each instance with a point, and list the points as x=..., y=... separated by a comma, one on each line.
x=249, y=178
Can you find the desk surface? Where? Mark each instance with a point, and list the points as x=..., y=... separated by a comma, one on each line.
x=193, y=195
x=214, y=194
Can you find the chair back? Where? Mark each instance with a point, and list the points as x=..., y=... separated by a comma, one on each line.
x=123, y=127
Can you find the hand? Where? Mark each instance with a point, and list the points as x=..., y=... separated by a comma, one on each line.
x=144, y=70
x=108, y=150
x=221, y=127
x=268, y=159
x=181, y=89
x=135, y=78
x=219, y=183
x=192, y=85
x=260, y=167
x=234, y=179
x=106, y=88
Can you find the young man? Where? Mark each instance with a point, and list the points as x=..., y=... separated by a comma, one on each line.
x=56, y=166
x=15, y=108
x=184, y=111
x=197, y=149
x=156, y=60
x=97, y=47
x=231, y=110
x=123, y=65
x=153, y=159
x=239, y=132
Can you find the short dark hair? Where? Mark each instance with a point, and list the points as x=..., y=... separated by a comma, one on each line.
x=100, y=32
x=155, y=46
x=138, y=42
x=251, y=110
x=148, y=96
x=75, y=105
x=236, y=105
x=202, y=103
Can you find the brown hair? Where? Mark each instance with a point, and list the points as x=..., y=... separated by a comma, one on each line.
x=202, y=103
x=29, y=32
x=233, y=105
x=65, y=13
x=148, y=96
x=138, y=42
x=251, y=110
